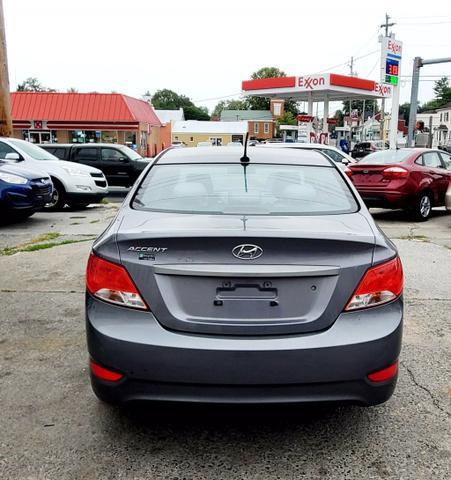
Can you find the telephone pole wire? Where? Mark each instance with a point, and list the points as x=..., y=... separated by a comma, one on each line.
x=6, y=128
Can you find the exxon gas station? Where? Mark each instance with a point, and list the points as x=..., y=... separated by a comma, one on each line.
x=331, y=87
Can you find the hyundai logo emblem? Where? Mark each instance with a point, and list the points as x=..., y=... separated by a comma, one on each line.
x=247, y=251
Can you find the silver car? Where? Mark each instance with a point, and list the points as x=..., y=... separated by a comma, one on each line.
x=238, y=278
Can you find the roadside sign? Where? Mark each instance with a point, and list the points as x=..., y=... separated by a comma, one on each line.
x=391, y=54
x=304, y=118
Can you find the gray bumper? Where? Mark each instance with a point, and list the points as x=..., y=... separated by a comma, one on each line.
x=159, y=364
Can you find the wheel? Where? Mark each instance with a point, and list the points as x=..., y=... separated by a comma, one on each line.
x=58, y=196
x=423, y=207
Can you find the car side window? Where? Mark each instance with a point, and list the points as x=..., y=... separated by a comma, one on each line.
x=335, y=156
x=4, y=149
x=419, y=161
x=111, y=154
x=58, y=152
x=447, y=160
x=432, y=160
x=85, y=154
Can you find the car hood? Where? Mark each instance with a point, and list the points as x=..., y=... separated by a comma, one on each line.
x=60, y=164
x=23, y=171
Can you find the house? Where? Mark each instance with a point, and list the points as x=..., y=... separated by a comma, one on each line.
x=51, y=117
x=192, y=132
x=261, y=123
x=444, y=130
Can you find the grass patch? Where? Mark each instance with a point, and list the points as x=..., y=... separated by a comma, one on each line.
x=94, y=221
x=34, y=247
x=45, y=237
x=104, y=201
x=75, y=223
x=422, y=238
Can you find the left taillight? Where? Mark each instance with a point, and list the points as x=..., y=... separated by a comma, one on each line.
x=395, y=172
x=380, y=284
x=111, y=283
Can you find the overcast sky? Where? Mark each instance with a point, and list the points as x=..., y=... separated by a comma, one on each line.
x=204, y=49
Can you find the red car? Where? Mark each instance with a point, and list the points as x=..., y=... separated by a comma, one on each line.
x=415, y=179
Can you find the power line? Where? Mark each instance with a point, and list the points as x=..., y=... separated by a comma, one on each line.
x=217, y=98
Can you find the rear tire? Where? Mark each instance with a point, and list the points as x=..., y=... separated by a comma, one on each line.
x=423, y=207
x=58, y=196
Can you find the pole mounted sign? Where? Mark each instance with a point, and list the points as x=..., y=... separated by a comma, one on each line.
x=391, y=55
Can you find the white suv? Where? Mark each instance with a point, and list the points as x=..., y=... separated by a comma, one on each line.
x=74, y=184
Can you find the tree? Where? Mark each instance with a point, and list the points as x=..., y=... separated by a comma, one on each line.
x=72, y=90
x=370, y=107
x=262, y=103
x=442, y=92
x=229, y=105
x=340, y=118
x=286, y=119
x=32, y=84
x=442, y=88
x=404, y=112
x=169, y=100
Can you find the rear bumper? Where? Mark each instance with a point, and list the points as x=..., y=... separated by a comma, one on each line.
x=158, y=364
x=385, y=198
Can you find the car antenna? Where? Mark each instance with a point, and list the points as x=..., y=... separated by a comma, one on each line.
x=245, y=160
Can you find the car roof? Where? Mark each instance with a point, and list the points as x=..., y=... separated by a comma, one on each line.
x=233, y=155
x=298, y=145
x=81, y=145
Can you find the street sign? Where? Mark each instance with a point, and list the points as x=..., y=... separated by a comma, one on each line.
x=304, y=118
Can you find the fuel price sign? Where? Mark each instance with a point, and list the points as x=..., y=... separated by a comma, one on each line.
x=391, y=71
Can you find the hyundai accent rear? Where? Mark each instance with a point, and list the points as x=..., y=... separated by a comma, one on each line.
x=244, y=278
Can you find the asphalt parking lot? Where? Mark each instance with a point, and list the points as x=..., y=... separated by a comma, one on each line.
x=54, y=428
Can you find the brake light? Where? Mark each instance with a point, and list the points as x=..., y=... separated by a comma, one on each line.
x=112, y=283
x=395, y=172
x=380, y=284
x=348, y=171
x=103, y=373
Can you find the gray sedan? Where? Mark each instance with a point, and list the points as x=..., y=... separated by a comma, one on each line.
x=237, y=278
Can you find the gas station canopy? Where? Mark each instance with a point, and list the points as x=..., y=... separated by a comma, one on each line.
x=317, y=88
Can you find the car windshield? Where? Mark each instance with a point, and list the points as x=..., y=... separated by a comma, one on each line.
x=255, y=189
x=386, y=157
x=130, y=152
x=37, y=153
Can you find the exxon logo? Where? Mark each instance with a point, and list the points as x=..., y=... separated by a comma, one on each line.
x=311, y=82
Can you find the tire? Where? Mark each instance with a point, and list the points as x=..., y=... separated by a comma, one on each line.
x=423, y=207
x=58, y=197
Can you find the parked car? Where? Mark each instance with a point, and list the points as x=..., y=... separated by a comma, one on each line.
x=204, y=144
x=75, y=185
x=446, y=157
x=120, y=164
x=339, y=157
x=415, y=179
x=362, y=149
x=22, y=191
x=446, y=147
x=262, y=280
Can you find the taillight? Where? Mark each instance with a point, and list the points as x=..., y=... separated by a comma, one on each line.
x=112, y=283
x=395, y=172
x=348, y=171
x=380, y=284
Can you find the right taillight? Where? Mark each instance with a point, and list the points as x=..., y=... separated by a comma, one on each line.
x=111, y=283
x=395, y=172
x=380, y=284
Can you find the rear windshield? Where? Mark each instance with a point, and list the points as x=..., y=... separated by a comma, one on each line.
x=386, y=157
x=257, y=189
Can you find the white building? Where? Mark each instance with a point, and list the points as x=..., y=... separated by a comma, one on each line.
x=443, y=133
x=192, y=132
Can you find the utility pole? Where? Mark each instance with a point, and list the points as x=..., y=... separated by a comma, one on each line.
x=418, y=62
x=386, y=26
x=6, y=128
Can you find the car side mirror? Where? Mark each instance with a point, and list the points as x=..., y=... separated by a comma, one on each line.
x=13, y=156
x=345, y=161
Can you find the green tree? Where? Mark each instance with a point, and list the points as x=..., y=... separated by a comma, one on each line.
x=339, y=115
x=262, y=103
x=404, y=112
x=286, y=119
x=229, y=105
x=169, y=100
x=32, y=84
x=442, y=92
x=442, y=88
x=370, y=107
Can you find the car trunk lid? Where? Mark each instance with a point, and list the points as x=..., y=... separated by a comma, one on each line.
x=188, y=269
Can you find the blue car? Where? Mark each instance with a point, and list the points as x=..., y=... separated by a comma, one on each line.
x=22, y=191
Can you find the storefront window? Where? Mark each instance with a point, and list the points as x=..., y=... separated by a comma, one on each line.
x=130, y=140
x=109, y=137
